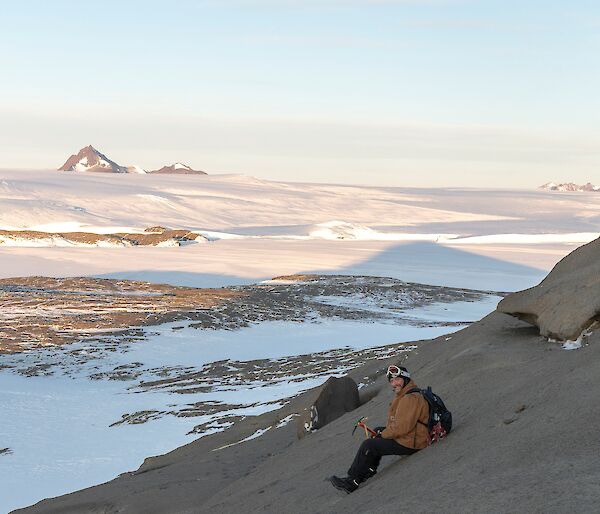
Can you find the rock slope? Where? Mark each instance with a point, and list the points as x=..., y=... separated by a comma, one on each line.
x=567, y=301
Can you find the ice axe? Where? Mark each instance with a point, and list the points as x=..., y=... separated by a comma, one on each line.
x=369, y=432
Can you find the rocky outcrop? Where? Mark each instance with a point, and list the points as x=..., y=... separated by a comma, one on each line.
x=567, y=301
x=163, y=238
x=150, y=237
x=179, y=168
x=156, y=230
x=333, y=399
x=570, y=186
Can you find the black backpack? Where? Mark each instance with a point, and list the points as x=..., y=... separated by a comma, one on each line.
x=440, y=418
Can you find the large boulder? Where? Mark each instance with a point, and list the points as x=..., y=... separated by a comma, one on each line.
x=567, y=301
x=332, y=400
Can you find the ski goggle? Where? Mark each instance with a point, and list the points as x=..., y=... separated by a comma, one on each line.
x=395, y=372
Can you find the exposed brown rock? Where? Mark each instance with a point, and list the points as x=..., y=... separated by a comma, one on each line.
x=150, y=237
x=297, y=278
x=153, y=239
x=158, y=229
x=42, y=311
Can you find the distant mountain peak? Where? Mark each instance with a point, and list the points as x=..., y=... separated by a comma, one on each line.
x=569, y=186
x=181, y=168
x=134, y=168
x=90, y=159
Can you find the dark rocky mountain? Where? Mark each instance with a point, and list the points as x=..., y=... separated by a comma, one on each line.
x=90, y=159
x=179, y=168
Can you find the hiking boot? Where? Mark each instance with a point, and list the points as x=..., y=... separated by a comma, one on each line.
x=347, y=484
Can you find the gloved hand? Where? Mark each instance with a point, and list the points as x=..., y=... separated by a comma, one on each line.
x=379, y=430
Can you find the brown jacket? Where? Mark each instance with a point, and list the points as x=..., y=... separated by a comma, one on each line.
x=406, y=410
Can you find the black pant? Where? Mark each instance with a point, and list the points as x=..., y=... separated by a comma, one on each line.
x=369, y=455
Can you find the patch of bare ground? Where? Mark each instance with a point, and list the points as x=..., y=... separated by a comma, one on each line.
x=259, y=373
x=296, y=278
x=151, y=237
x=43, y=311
x=106, y=316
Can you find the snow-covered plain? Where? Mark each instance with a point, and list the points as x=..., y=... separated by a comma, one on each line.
x=485, y=239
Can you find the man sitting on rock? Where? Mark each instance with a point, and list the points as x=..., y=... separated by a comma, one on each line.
x=404, y=434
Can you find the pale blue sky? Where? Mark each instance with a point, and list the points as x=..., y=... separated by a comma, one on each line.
x=482, y=93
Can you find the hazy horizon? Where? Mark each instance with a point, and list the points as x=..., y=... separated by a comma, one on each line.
x=414, y=93
x=299, y=180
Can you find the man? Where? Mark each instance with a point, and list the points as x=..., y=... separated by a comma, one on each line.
x=404, y=434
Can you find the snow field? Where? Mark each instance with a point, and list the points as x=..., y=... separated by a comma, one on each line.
x=483, y=239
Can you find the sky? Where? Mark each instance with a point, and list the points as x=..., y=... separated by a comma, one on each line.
x=481, y=93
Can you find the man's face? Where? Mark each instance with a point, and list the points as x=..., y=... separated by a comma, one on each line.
x=397, y=384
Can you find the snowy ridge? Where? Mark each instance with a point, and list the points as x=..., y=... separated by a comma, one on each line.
x=178, y=168
x=344, y=231
x=570, y=186
x=134, y=168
